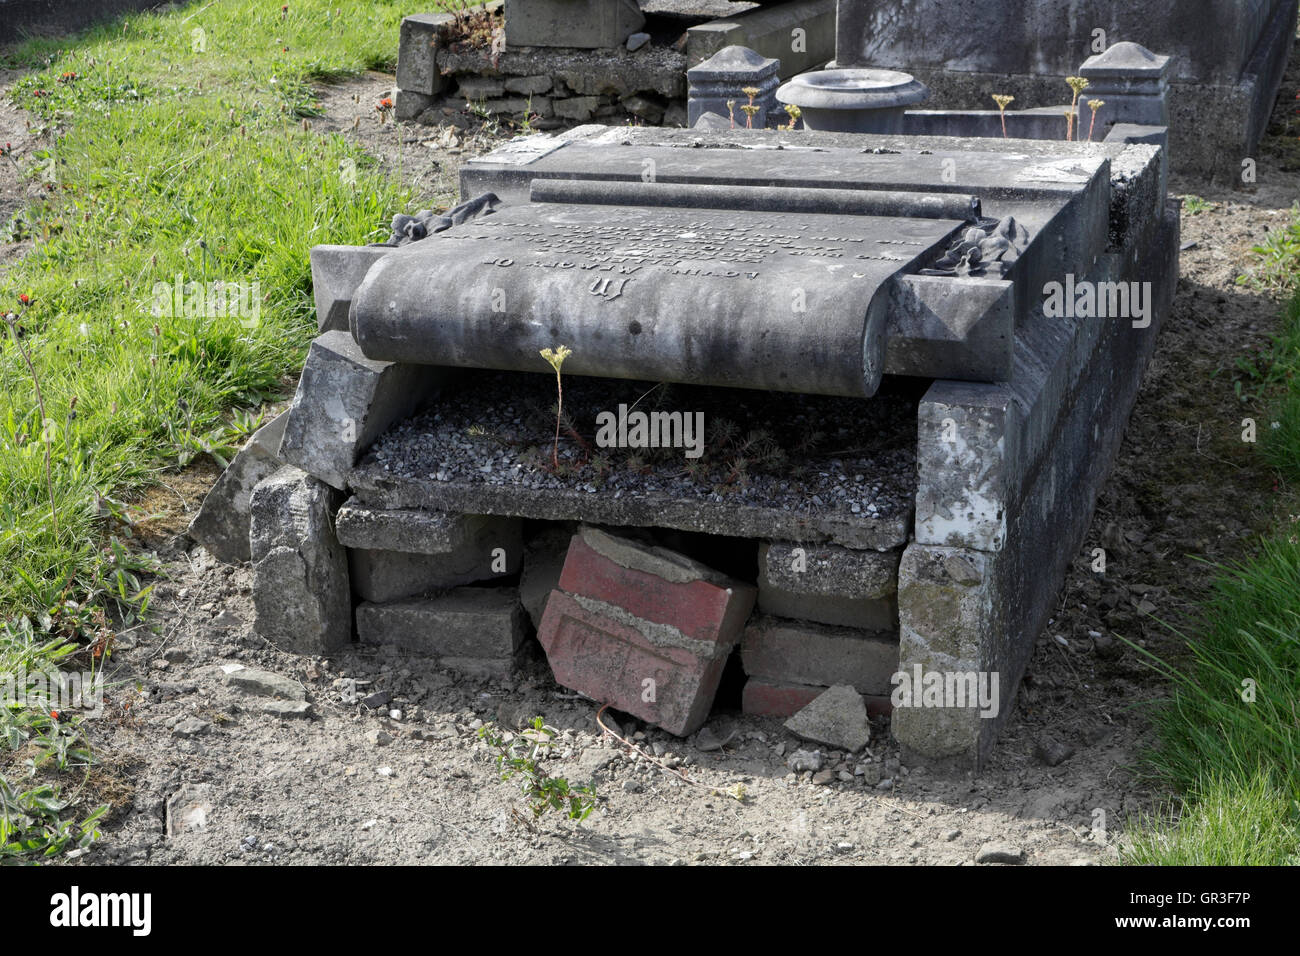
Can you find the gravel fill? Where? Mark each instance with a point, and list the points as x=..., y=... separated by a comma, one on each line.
x=850, y=457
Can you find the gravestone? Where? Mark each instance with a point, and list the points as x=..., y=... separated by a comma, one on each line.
x=1227, y=58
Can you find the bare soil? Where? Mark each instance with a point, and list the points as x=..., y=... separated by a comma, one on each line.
x=408, y=782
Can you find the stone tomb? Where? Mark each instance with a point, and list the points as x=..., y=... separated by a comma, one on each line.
x=901, y=448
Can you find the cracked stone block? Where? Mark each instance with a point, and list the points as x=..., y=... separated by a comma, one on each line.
x=642, y=628
x=345, y=401
x=336, y=271
x=473, y=630
x=802, y=652
x=223, y=520
x=828, y=584
x=301, y=594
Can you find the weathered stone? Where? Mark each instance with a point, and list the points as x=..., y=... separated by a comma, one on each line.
x=636, y=41
x=464, y=624
x=528, y=85
x=519, y=106
x=1132, y=82
x=649, y=110
x=417, y=48
x=723, y=77
x=300, y=577
x=966, y=448
x=266, y=684
x=770, y=32
x=1000, y=852
x=409, y=104
x=422, y=532
x=590, y=24
x=381, y=575
x=829, y=585
x=836, y=718
x=222, y=523
x=336, y=271
x=479, y=88
x=577, y=108
x=804, y=653
x=344, y=401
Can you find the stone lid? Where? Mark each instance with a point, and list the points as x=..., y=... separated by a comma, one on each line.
x=733, y=63
x=861, y=89
x=1126, y=60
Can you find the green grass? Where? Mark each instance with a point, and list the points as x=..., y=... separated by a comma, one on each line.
x=1279, y=267
x=172, y=158
x=1234, y=822
x=177, y=150
x=1229, y=732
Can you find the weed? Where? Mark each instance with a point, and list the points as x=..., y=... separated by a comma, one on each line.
x=520, y=755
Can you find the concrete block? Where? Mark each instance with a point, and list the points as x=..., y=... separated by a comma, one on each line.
x=223, y=520
x=829, y=585
x=801, y=652
x=420, y=37
x=336, y=271
x=576, y=108
x=301, y=594
x=1133, y=82
x=344, y=402
x=837, y=718
x=477, y=630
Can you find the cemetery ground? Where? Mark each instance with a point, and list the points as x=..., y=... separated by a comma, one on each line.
x=234, y=160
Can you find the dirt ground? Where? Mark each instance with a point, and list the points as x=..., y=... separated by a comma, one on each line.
x=408, y=782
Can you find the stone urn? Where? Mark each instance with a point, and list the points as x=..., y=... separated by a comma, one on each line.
x=853, y=101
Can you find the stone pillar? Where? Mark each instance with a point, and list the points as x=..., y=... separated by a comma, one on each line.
x=723, y=77
x=1133, y=82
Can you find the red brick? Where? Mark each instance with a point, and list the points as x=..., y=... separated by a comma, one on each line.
x=657, y=585
x=607, y=654
x=766, y=698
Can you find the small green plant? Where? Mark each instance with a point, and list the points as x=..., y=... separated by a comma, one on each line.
x=520, y=756
x=794, y=113
x=1003, y=101
x=32, y=824
x=1194, y=205
x=731, y=112
x=556, y=358
x=750, y=109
